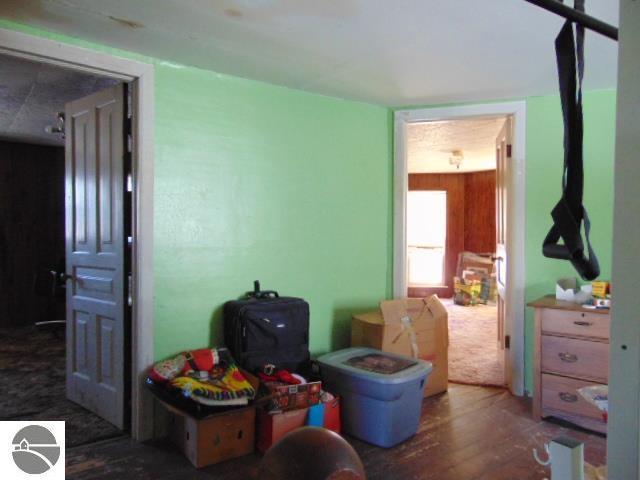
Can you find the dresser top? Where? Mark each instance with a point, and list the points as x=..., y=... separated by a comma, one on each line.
x=549, y=301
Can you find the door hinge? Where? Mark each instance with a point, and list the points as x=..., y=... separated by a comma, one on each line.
x=129, y=290
x=507, y=341
x=129, y=100
x=508, y=150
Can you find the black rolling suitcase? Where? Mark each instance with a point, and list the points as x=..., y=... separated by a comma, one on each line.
x=266, y=328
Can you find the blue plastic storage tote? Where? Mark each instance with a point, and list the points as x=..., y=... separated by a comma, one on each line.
x=381, y=392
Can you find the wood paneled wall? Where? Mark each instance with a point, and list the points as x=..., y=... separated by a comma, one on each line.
x=471, y=218
x=480, y=212
x=31, y=229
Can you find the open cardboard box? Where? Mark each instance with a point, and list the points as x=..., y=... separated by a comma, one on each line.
x=414, y=327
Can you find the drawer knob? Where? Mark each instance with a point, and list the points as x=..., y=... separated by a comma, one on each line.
x=582, y=323
x=568, y=357
x=568, y=397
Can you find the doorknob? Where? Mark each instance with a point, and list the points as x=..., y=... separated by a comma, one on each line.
x=63, y=276
x=495, y=259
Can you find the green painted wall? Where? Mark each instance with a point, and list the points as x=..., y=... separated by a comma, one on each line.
x=543, y=178
x=254, y=181
x=259, y=182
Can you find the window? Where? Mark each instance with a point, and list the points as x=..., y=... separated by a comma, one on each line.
x=426, y=237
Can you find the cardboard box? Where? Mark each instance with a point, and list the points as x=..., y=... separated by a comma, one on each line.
x=414, y=327
x=600, y=288
x=480, y=263
x=216, y=437
x=213, y=439
x=271, y=427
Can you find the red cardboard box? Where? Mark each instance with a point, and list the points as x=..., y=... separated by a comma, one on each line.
x=272, y=427
x=332, y=415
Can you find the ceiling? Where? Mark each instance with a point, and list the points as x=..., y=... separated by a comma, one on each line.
x=32, y=93
x=395, y=53
x=430, y=145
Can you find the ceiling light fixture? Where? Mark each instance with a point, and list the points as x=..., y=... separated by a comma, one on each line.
x=456, y=158
x=59, y=129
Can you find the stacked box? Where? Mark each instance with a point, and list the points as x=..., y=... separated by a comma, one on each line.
x=415, y=327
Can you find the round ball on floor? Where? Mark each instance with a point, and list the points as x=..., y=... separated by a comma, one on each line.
x=312, y=453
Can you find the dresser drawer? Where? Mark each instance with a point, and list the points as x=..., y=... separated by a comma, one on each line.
x=579, y=324
x=561, y=394
x=575, y=358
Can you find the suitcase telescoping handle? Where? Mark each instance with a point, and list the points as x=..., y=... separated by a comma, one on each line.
x=257, y=293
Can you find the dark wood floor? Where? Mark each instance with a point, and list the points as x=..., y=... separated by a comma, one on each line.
x=32, y=375
x=467, y=433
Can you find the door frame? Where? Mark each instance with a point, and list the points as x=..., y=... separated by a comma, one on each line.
x=141, y=76
x=623, y=439
x=516, y=216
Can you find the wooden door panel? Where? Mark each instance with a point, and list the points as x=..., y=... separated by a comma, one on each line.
x=503, y=153
x=80, y=129
x=109, y=181
x=95, y=253
x=96, y=283
x=107, y=365
x=80, y=359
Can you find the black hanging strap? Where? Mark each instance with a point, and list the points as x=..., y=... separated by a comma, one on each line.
x=569, y=213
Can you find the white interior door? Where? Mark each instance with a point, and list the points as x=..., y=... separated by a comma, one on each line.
x=503, y=157
x=94, y=196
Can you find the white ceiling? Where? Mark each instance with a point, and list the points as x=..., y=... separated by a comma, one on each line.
x=430, y=144
x=395, y=53
x=31, y=94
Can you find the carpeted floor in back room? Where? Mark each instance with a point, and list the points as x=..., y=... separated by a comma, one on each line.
x=474, y=355
x=32, y=375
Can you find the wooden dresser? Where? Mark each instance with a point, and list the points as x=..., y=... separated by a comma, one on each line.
x=571, y=351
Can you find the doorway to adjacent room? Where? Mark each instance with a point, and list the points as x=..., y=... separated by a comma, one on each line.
x=452, y=238
x=66, y=218
x=139, y=284
x=458, y=188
